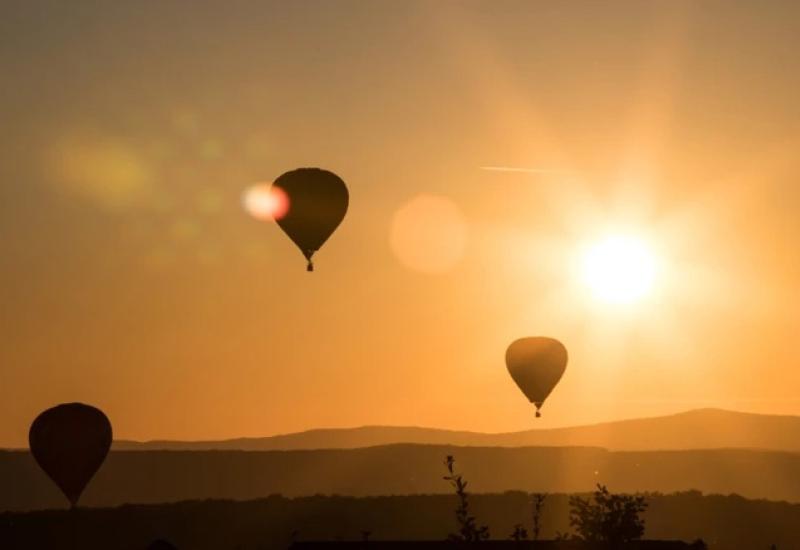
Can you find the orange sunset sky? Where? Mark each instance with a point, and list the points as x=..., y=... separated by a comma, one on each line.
x=491, y=149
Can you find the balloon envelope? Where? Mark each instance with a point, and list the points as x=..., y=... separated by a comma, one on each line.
x=536, y=364
x=70, y=443
x=318, y=201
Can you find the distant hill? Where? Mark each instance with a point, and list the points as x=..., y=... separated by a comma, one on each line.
x=697, y=429
x=169, y=476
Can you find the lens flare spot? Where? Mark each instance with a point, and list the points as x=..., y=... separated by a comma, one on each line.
x=428, y=234
x=106, y=171
x=265, y=202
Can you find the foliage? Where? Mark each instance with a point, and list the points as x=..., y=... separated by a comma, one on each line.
x=519, y=533
x=560, y=536
x=538, y=504
x=468, y=528
x=607, y=517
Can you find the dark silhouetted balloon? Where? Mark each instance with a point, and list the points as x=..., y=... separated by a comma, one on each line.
x=536, y=364
x=70, y=442
x=161, y=544
x=318, y=201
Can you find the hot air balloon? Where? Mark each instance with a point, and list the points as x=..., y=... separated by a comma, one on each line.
x=317, y=202
x=70, y=442
x=536, y=364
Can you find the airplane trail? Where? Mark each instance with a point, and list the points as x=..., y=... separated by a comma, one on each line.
x=524, y=170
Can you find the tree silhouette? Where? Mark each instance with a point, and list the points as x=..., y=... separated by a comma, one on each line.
x=538, y=504
x=607, y=517
x=468, y=530
x=519, y=533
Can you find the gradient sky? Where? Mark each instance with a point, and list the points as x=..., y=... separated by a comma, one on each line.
x=132, y=279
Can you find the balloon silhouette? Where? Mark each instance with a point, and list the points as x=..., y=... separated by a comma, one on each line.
x=70, y=442
x=317, y=202
x=536, y=364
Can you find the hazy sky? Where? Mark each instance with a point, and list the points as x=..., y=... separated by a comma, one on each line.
x=132, y=278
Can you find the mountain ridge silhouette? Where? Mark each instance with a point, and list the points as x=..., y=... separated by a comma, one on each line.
x=707, y=428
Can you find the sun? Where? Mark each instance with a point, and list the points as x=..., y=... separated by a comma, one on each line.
x=620, y=269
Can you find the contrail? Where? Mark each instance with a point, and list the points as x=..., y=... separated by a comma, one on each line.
x=525, y=170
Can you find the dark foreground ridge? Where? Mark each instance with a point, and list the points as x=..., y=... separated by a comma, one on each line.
x=495, y=545
x=723, y=522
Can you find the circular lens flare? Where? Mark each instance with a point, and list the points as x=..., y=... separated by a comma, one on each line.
x=265, y=202
x=428, y=234
x=620, y=269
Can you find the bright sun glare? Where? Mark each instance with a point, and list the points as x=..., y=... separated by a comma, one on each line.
x=620, y=269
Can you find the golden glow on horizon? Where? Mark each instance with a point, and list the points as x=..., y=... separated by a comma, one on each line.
x=620, y=269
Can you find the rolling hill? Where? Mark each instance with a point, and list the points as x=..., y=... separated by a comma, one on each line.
x=169, y=476
x=756, y=456
x=697, y=429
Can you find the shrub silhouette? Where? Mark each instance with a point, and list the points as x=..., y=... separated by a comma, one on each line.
x=519, y=533
x=468, y=528
x=607, y=517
